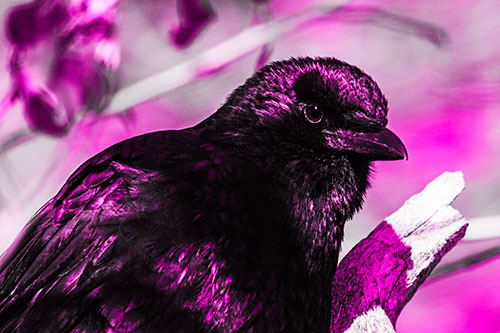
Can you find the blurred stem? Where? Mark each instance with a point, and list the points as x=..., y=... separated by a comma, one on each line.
x=17, y=138
x=483, y=228
x=216, y=57
x=5, y=104
x=256, y=37
x=473, y=259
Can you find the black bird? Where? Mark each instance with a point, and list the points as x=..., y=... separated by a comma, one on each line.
x=233, y=224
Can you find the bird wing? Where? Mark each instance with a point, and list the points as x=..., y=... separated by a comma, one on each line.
x=95, y=233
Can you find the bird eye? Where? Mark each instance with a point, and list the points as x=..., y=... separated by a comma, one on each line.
x=312, y=113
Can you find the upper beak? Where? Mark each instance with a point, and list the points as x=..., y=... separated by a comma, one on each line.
x=375, y=146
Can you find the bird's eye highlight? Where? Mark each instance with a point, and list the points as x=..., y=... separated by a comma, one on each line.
x=312, y=113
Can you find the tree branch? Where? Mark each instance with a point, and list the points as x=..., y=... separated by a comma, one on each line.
x=383, y=271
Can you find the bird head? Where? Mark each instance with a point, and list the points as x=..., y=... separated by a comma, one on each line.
x=314, y=123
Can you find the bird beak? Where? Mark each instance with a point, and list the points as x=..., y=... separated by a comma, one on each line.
x=375, y=146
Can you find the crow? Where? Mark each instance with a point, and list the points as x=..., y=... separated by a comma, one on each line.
x=234, y=224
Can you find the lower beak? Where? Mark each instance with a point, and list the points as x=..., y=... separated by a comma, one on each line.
x=374, y=146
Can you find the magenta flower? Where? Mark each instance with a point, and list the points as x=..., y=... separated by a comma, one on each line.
x=194, y=17
x=26, y=24
x=43, y=112
x=63, y=55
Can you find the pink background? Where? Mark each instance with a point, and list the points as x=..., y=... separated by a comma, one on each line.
x=443, y=92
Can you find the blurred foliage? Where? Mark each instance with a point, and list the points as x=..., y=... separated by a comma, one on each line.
x=84, y=74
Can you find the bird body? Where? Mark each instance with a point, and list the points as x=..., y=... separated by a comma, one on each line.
x=234, y=224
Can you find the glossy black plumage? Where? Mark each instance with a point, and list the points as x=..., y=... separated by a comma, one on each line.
x=233, y=224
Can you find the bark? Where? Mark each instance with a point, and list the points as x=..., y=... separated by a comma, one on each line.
x=382, y=272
